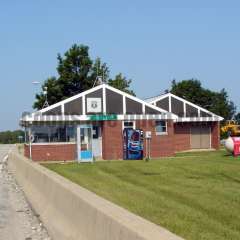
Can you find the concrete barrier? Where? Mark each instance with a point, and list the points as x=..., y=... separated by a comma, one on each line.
x=71, y=212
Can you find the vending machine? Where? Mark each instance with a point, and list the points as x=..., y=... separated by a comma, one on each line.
x=132, y=144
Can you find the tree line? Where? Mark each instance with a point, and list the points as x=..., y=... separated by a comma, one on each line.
x=11, y=137
x=214, y=101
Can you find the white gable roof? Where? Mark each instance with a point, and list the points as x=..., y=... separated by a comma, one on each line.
x=214, y=117
x=39, y=115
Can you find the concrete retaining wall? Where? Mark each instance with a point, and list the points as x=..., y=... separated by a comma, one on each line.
x=72, y=212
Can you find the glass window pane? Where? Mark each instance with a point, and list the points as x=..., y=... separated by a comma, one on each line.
x=161, y=126
x=54, y=133
x=71, y=134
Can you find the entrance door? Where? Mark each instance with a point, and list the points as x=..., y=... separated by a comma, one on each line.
x=205, y=137
x=200, y=137
x=195, y=137
x=84, y=143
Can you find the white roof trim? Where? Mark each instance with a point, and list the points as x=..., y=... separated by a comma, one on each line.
x=103, y=86
x=198, y=119
x=156, y=99
x=72, y=118
x=69, y=99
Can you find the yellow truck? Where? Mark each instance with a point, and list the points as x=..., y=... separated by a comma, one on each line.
x=231, y=127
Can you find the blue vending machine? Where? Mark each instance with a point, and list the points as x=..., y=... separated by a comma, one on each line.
x=132, y=144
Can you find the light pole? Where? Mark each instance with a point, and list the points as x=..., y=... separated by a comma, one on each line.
x=46, y=100
x=46, y=104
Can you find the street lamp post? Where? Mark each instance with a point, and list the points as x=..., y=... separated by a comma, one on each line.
x=46, y=104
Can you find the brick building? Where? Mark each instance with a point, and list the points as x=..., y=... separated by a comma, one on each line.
x=195, y=127
x=91, y=124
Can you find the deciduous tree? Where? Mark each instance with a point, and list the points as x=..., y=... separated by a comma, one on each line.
x=216, y=102
x=77, y=72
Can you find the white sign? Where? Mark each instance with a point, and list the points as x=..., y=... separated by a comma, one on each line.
x=148, y=134
x=94, y=105
x=31, y=138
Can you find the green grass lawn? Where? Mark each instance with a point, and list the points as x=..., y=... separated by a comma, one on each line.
x=195, y=195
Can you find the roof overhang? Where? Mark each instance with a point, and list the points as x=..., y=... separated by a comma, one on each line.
x=31, y=119
x=199, y=119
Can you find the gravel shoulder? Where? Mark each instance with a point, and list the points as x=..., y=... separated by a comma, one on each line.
x=17, y=219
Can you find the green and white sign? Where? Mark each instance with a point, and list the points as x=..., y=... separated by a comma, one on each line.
x=108, y=117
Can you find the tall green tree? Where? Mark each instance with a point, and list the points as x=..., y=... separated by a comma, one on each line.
x=99, y=69
x=222, y=105
x=77, y=72
x=122, y=83
x=216, y=102
x=237, y=117
x=74, y=69
x=53, y=93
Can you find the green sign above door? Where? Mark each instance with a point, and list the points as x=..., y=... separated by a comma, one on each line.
x=103, y=117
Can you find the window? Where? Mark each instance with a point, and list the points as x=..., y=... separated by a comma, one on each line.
x=128, y=124
x=71, y=133
x=96, y=132
x=53, y=133
x=161, y=127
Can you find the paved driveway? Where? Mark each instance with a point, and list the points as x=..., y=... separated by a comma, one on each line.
x=17, y=220
x=4, y=148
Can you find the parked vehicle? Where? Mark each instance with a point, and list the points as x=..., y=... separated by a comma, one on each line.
x=231, y=127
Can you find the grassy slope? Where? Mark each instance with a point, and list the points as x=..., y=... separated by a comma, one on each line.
x=196, y=197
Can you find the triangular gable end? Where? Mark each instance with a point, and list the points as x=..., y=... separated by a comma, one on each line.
x=184, y=109
x=102, y=99
x=134, y=105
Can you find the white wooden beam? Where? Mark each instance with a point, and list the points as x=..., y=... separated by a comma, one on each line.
x=104, y=99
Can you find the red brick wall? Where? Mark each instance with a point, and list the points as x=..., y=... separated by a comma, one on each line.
x=161, y=145
x=182, y=139
x=26, y=151
x=183, y=135
x=177, y=139
x=112, y=143
x=51, y=152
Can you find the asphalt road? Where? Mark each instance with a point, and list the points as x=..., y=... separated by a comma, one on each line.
x=17, y=220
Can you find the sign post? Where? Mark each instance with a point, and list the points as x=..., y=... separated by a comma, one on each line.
x=148, y=137
x=31, y=140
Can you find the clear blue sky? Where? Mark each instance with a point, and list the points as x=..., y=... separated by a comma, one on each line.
x=150, y=42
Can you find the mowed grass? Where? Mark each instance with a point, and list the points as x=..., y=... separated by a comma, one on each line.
x=195, y=195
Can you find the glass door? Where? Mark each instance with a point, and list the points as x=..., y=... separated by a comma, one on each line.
x=84, y=143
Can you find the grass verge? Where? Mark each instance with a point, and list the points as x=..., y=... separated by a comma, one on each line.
x=195, y=195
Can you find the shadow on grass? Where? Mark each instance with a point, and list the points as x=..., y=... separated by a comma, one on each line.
x=232, y=179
